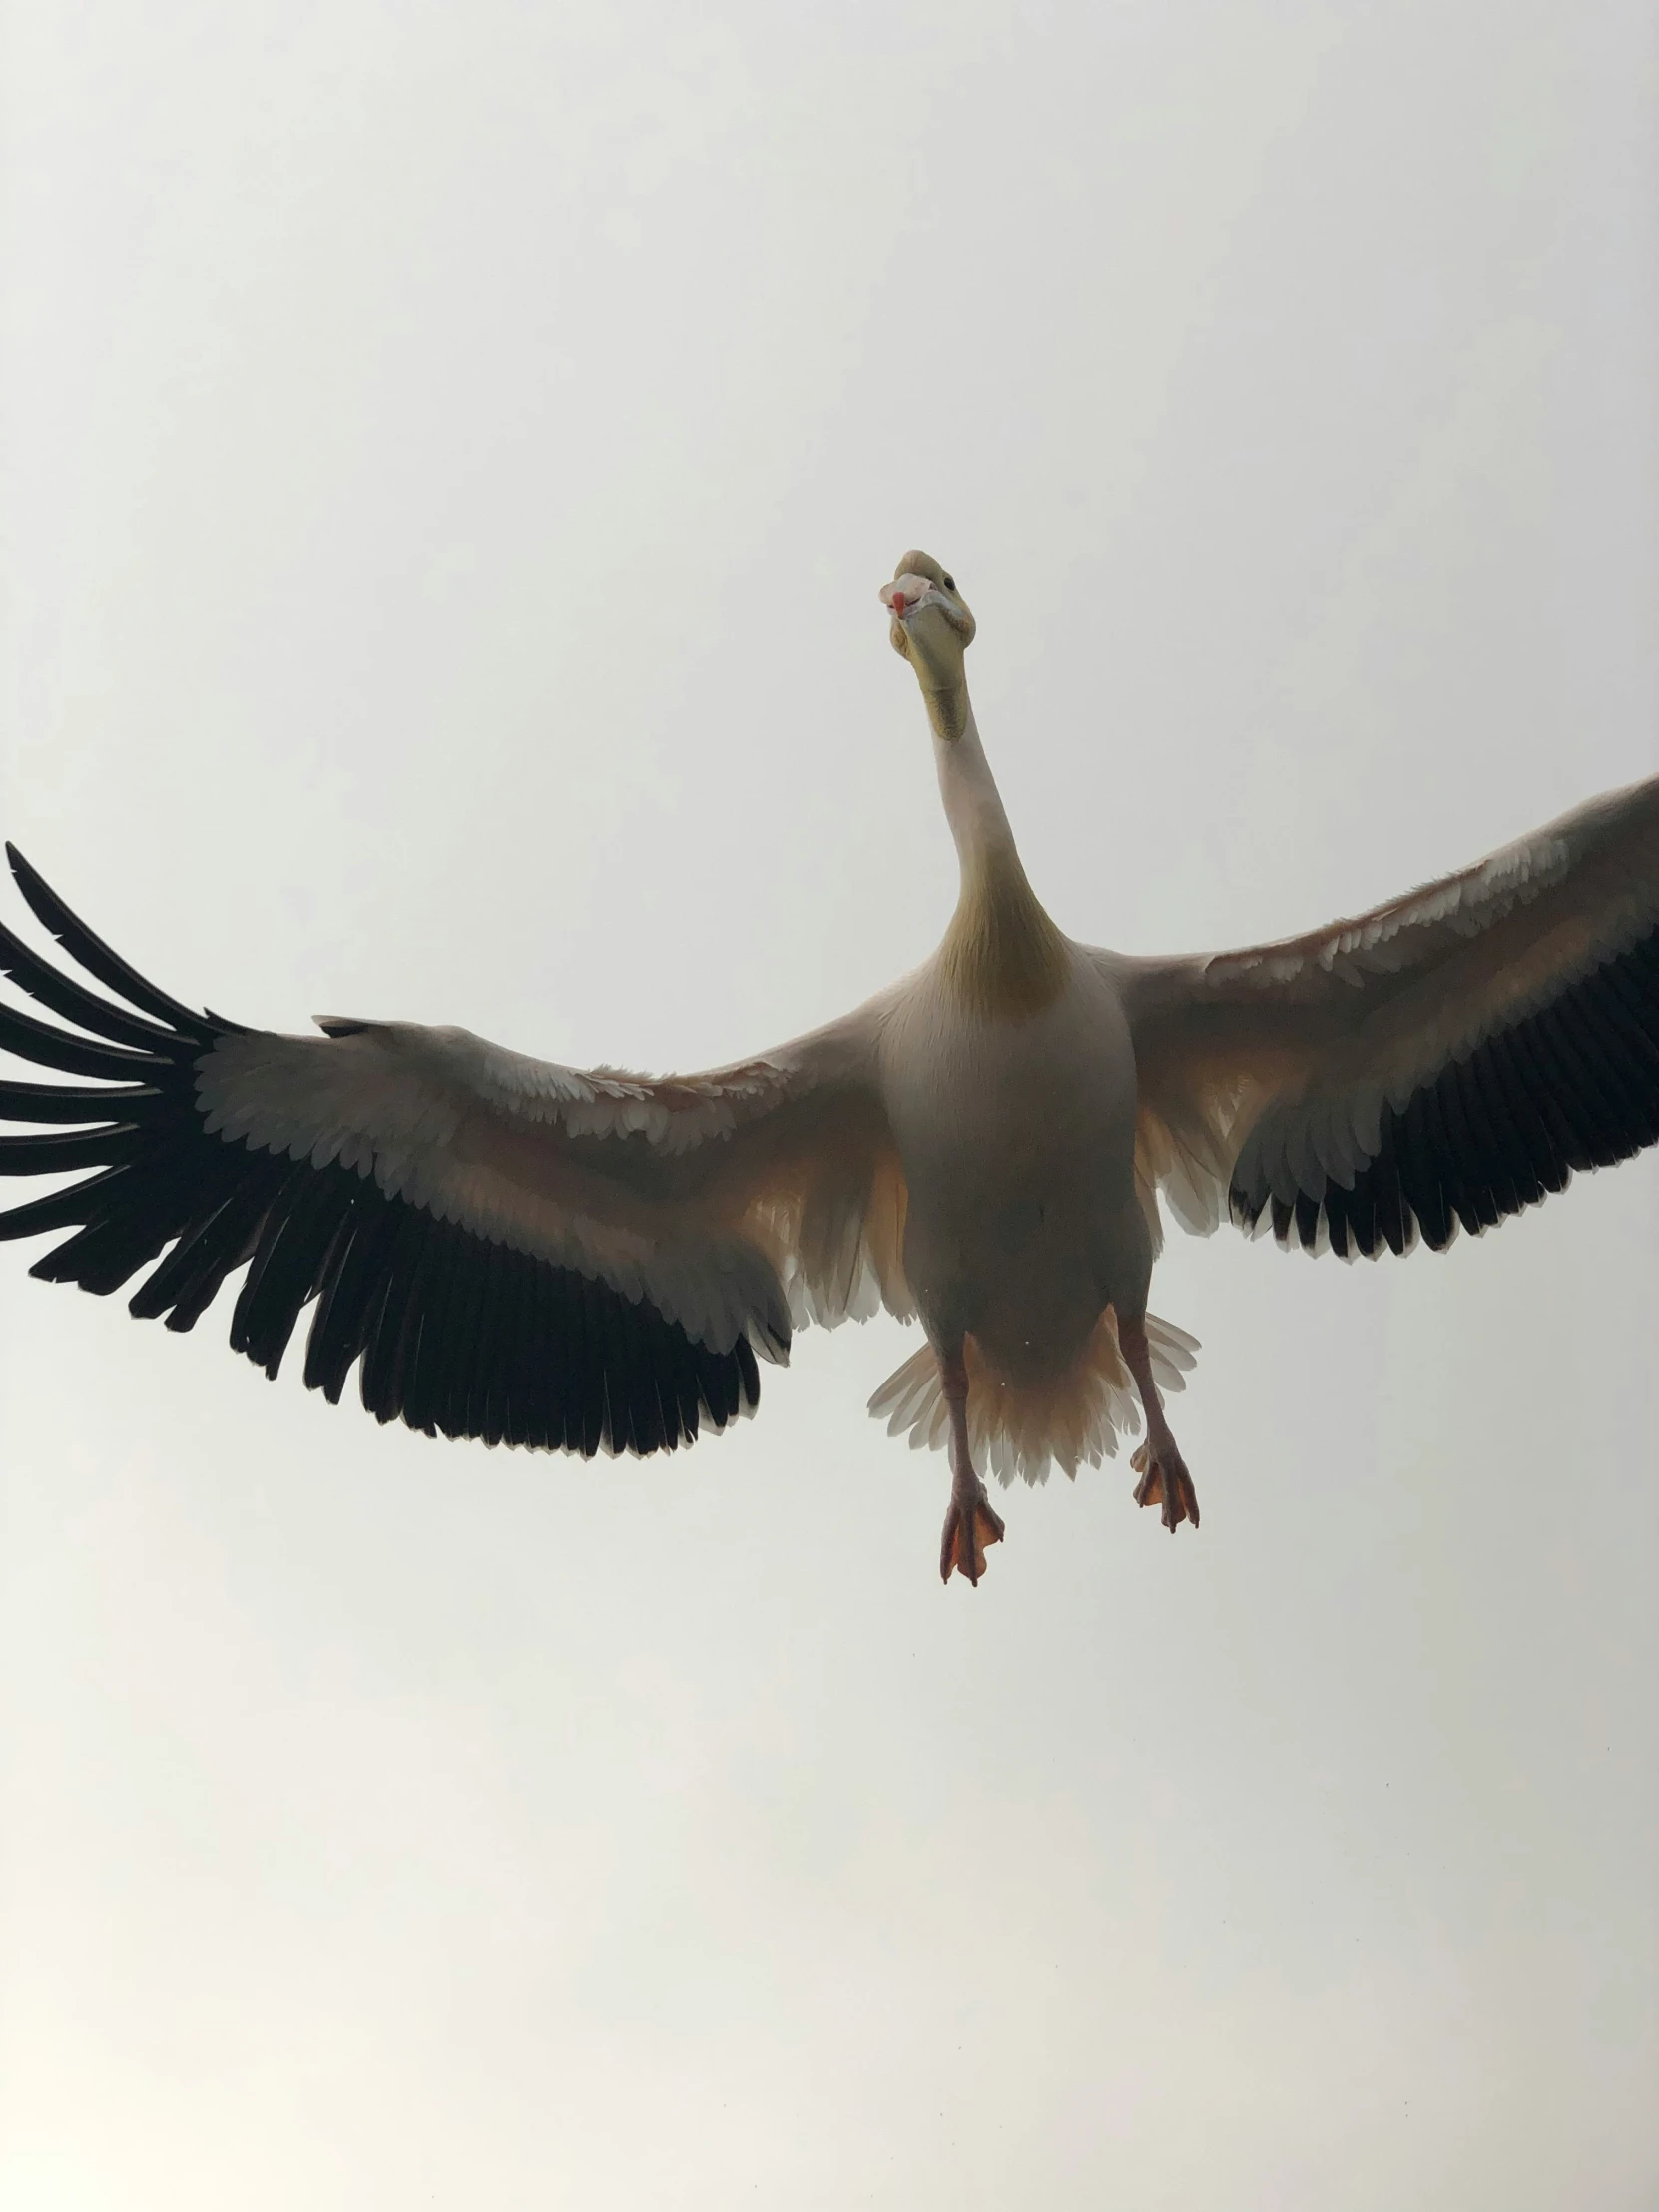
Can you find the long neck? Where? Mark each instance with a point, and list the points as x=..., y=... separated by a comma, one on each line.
x=1001, y=953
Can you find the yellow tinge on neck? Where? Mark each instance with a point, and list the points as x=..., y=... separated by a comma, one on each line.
x=1001, y=954
x=948, y=711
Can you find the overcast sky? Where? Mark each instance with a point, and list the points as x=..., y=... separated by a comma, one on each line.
x=450, y=456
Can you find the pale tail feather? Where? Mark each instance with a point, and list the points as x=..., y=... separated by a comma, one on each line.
x=1073, y=1421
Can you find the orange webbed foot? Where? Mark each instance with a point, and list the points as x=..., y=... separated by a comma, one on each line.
x=970, y=1527
x=1166, y=1483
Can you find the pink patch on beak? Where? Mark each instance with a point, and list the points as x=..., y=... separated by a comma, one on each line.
x=897, y=604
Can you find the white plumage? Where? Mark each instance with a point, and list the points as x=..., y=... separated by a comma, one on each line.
x=589, y=1260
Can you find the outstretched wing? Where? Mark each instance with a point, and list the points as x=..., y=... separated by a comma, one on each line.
x=512, y=1249
x=1446, y=1059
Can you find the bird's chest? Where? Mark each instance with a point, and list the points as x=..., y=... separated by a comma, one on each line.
x=1017, y=1136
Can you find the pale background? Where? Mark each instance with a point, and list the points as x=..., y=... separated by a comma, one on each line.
x=450, y=455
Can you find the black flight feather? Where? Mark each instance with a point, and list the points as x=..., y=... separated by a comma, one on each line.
x=451, y=1332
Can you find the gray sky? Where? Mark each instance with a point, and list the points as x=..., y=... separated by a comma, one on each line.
x=450, y=455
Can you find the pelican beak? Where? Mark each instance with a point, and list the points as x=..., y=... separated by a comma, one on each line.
x=906, y=593
x=911, y=594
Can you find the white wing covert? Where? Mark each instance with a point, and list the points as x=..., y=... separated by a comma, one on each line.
x=1446, y=1059
x=512, y=1249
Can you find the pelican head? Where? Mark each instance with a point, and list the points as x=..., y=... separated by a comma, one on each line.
x=933, y=626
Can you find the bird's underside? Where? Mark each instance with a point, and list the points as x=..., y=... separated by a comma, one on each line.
x=454, y=1333
x=583, y=1261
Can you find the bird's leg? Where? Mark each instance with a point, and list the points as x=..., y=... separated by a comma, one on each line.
x=969, y=1523
x=1163, y=1472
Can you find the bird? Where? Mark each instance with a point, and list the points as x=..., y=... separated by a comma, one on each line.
x=528, y=1254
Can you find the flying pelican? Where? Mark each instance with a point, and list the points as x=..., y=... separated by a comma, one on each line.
x=581, y=1261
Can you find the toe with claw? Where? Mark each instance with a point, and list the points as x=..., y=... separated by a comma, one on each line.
x=970, y=1527
x=1166, y=1483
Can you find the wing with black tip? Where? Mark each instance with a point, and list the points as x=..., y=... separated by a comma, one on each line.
x=504, y=1247
x=1444, y=1061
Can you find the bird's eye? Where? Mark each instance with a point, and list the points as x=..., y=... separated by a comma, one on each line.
x=949, y=583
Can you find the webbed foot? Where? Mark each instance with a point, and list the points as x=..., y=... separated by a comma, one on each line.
x=970, y=1527
x=1166, y=1483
